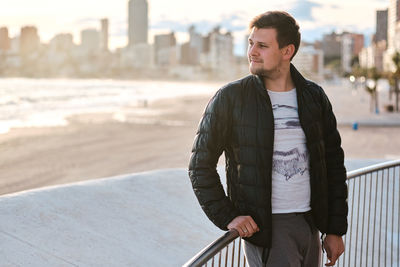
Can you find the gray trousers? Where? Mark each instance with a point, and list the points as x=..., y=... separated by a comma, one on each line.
x=295, y=243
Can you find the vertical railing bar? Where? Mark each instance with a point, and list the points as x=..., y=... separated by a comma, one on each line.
x=387, y=211
x=345, y=248
x=244, y=260
x=212, y=263
x=398, y=222
x=363, y=220
x=226, y=255
x=345, y=237
x=239, y=250
x=393, y=194
x=220, y=256
x=358, y=219
x=369, y=212
x=351, y=232
x=376, y=199
x=380, y=221
x=233, y=253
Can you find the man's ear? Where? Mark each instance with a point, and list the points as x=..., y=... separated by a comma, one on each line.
x=288, y=51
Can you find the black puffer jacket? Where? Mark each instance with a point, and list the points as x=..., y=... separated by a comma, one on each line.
x=239, y=121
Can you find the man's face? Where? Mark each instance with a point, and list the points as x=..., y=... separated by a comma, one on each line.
x=263, y=52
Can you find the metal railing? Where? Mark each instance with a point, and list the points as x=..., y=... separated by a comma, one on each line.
x=373, y=236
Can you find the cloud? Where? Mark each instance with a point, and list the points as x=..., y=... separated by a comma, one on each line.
x=302, y=10
x=87, y=20
x=230, y=23
x=173, y=25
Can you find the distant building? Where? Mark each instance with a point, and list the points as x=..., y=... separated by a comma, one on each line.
x=29, y=40
x=104, y=35
x=393, y=35
x=393, y=18
x=4, y=39
x=367, y=57
x=15, y=45
x=373, y=56
x=218, y=53
x=310, y=61
x=346, y=52
x=381, y=25
x=189, y=55
x=90, y=41
x=138, y=22
x=140, y=56
x=380, y=49
x=331, y=46
x=357, y=43
x=165, y=49
x=62, y=42
x=344, y=47
x=192, y=50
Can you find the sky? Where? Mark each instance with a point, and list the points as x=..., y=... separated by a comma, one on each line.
x=315, y=17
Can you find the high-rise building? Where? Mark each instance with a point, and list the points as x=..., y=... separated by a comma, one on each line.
x=4, y=39
x=310, y=61
x=331, y=46
x=346, y=52
x=381, y=25
x=218, y=53
x=62, y=42
x=165, y=49
x=393, y=35
x=104, y=35
x=393, y=18
x=90, y=40
x=29, y=40
x=191, y=51
x=357, y=43
x=138, y=22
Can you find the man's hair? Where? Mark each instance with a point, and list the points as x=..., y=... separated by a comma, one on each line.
x=285, y=25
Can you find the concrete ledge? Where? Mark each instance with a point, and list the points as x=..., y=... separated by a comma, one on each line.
x=146, y=219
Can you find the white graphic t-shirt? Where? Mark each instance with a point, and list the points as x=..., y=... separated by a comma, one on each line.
x=290, y=169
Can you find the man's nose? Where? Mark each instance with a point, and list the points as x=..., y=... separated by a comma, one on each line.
x=252, y=50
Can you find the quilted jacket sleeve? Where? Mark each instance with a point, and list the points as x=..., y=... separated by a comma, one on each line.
x=336, y=172
x=209, y=143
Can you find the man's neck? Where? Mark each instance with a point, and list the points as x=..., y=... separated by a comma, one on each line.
x=281, y=81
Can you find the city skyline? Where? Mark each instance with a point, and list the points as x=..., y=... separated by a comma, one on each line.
x=315, y=17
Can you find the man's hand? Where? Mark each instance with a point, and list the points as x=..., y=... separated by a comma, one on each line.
x=334, y=247
x=245, y=225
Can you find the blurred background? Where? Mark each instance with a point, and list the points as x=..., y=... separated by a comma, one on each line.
x=93, y=89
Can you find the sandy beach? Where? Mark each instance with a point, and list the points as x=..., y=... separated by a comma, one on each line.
x=158, y=136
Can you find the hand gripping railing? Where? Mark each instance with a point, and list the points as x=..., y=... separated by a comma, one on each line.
x=373, y=236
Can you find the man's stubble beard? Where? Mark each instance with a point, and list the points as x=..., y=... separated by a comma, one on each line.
x=259, y=72
x=263, y=72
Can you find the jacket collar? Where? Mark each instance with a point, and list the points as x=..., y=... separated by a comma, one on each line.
x=299, y=81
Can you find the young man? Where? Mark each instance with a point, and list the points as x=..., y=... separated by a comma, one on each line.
x=284, y=163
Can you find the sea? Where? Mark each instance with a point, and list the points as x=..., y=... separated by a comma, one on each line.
x=28, y=102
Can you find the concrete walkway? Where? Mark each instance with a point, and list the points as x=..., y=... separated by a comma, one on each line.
x=352, y=104
x=145, y=219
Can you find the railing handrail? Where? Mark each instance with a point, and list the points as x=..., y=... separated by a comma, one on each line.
x=211, y=250
x=372, y=168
